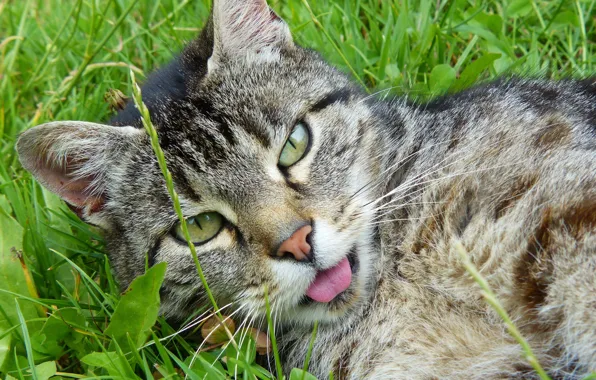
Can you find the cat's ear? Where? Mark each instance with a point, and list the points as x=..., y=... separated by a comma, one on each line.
x=247, y=29
x=73, y=159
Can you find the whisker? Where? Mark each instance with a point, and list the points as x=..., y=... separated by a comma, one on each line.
x=386, y=90
x=399, y=164
x=396, y=166
x=391, y=208
x=244, y=333
x=198, y=350
x=457, y=174
x=452, y=175
x=196, y=321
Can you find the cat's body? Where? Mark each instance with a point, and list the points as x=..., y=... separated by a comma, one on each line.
x=529, y=231
x=507, y=169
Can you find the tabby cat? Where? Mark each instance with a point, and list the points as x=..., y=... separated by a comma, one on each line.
x=348, y=208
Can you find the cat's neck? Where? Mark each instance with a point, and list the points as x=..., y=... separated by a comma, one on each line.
x=410, y=133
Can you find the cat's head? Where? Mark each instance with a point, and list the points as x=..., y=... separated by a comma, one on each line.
x=274, y=158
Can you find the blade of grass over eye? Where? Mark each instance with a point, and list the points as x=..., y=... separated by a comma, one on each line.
x=152, y=132
x=392, y=46
x=311, y=345
x=492, y=300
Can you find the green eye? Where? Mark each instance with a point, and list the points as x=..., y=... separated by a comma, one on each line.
x=295, y=147
x=201, y=228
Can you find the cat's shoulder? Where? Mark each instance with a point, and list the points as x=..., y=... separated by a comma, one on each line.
x=534, y=93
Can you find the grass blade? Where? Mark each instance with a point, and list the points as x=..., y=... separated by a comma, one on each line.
x=26, y=339
x=492, y=300
x=311, y=345
x=271, y=328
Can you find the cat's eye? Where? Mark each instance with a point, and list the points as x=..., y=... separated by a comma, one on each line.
x=201, y=228
x=295, y=147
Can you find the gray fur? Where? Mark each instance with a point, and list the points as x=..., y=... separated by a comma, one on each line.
x=508, y=169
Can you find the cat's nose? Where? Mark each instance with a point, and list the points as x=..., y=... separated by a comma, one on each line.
x=297, y=245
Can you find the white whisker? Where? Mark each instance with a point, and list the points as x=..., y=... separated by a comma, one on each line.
x=198, y=350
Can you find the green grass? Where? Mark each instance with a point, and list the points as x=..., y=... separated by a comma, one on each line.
x=58, y=59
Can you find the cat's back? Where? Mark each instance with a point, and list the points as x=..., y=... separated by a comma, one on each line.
x=502, y=153
x=509, y=170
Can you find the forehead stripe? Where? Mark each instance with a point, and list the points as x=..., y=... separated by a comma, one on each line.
x=208, y=109
x=338, y=96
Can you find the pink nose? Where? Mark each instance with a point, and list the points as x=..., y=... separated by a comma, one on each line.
x=296, y=245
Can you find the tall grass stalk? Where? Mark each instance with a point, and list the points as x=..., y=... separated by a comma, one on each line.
x=26, y=339
x=492, y=300
x=311, y=346
x=271, y=329
x=161, y=159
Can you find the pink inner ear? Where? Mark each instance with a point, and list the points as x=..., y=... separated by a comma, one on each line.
x=249, y=25
x=75, y=191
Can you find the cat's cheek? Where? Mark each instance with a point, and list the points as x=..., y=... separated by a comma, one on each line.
x=368, y=258
x=330, y=245
x=212, y=256
x=292, y=280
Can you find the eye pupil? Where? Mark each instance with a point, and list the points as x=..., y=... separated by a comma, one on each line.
x=295, y=147
x=201, y=228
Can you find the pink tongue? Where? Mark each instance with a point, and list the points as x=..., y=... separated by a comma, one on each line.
x=329, y=283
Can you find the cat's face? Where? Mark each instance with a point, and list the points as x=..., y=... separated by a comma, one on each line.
x=264, y=201
x=266, y=140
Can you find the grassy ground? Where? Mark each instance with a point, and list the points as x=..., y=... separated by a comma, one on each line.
x=60, y=310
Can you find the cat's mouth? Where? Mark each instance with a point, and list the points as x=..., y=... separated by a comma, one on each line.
x=330, y=284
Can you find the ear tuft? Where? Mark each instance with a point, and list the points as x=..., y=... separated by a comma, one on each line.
x=73, y=159
x=247, y=29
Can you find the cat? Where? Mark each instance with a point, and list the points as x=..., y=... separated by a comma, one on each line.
x=347, y=208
